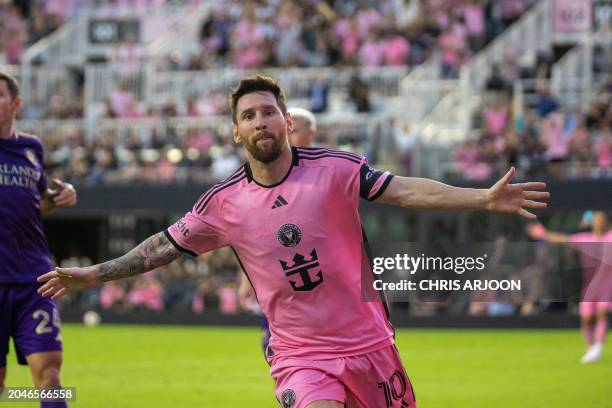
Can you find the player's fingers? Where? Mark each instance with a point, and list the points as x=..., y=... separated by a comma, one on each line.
x=46, y=276
x=60, y=293
x=536, y=195
x=58, y=183
x=532, y=185
x=50, y=290
x=534, y=204
x=59, y=200
x=526, y=214
x=507, y=177
x=64, y=272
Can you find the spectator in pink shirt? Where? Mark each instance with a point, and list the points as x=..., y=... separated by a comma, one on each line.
x=368, y=20
x=120, y=100
x=474, y=17
x=350, y=39
x=554, y=138
x=603, y=147
x=112, y=294
x=396, y=49
x=496, y=118
x=60, y=8
x=371, y=52
x=147, y=293
x=14, y=46
x=452, y=45
x=228, y=299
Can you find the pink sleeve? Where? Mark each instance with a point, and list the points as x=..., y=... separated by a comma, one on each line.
x=200, y=230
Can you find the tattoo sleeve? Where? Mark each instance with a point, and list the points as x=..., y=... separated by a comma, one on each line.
x=153, y=252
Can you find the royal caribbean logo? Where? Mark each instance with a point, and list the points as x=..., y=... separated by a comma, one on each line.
x=302, y=266
x=289, y=235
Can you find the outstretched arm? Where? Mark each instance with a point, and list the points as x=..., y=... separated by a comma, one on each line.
x=425, y=194
x=152, y=253
x=539, y=232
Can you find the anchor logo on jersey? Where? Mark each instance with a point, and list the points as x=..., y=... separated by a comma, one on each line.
x=302, y=266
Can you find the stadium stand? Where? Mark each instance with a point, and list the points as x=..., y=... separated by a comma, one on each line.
x=140, y=99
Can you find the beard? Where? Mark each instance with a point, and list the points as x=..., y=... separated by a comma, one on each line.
x=265, y=153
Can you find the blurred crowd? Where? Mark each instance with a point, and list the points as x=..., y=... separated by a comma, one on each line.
x=283, y=33
x=546, y=137
x=23, y=23
x=177, y=152
x=162, y=156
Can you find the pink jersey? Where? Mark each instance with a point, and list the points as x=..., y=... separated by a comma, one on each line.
x=300, y=244
x=596, y=254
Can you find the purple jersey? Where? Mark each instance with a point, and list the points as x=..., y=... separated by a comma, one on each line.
x=24, y=251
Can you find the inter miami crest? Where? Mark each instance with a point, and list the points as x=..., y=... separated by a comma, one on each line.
x=289, y=235
x=288, y=398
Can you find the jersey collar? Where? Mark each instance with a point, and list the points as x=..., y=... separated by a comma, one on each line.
x=294, y=162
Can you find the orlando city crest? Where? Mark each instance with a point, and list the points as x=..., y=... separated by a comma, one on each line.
x=289, y=235
x=31, y=157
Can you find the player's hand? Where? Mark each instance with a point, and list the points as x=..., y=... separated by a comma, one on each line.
x=246, y=296
x=536, y=231
x=63, y=194
x=516, y=198
x=62, y=281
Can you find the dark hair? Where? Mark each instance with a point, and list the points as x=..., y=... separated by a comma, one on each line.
x=11, y=82
x=256, y=83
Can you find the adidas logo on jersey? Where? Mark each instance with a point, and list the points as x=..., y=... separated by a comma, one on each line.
x=280, y=201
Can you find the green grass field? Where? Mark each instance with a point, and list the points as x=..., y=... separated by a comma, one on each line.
x=153, y=366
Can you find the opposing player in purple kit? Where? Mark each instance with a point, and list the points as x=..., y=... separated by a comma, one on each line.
x=329, y=349
x=31, y=320
x=595, y=248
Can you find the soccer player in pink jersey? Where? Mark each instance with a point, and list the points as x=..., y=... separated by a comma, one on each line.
x=594, y=247
x=303, y=134
x=328, y=349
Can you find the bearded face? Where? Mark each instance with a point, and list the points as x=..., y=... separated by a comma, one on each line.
x=265, y=146
x=261, y=126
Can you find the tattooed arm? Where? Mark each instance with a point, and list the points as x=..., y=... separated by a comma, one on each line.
x=152, y=253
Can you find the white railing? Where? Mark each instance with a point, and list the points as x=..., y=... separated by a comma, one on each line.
x=445, y=126
x=343, y=128
x=38, y=84
x=182, y=34
x=95, y=8
x=157, y=87
x=67, y=45
x=70, y=44
x=533, y=32
x=573, y=78
x=418, y=100
x=296, y=82
x=100, y=80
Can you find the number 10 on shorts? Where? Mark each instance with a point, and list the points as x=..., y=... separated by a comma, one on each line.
x=394, y=389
